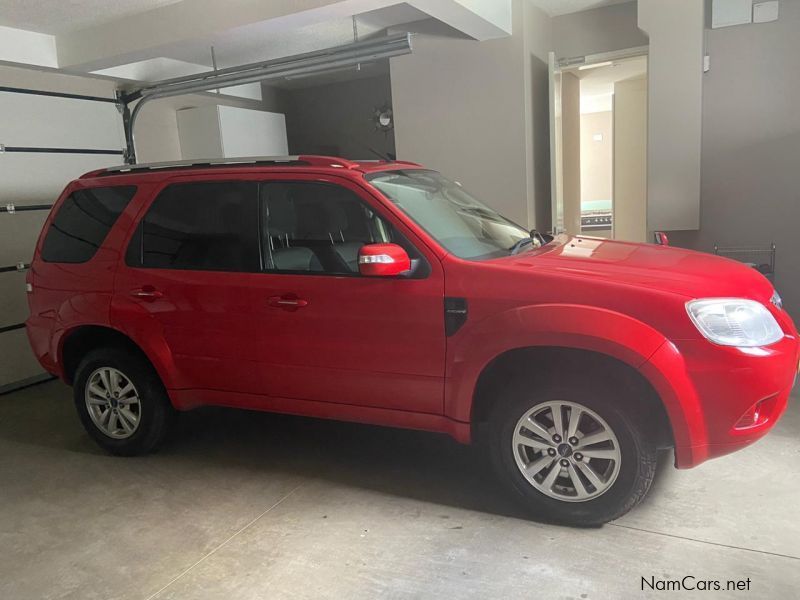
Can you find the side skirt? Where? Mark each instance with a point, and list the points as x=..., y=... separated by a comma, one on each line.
x=188, y=399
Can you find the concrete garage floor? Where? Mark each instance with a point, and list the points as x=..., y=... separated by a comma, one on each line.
x=249, y=505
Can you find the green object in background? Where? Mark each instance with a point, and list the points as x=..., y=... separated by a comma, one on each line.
x=596, y=206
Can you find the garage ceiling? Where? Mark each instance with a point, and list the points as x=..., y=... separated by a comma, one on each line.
x=63, y=16
x=259, y=41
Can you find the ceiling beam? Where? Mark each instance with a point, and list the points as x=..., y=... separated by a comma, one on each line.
x=155, y=32
x=18, y=46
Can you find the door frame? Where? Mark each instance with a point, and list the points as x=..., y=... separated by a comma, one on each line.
x=556, y=67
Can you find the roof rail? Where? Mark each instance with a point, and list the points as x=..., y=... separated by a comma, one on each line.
x=295, y=160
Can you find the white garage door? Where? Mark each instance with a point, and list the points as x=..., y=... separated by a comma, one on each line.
x=46, y=140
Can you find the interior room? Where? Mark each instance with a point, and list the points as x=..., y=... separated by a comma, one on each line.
x=613, y=148
x=377, y=298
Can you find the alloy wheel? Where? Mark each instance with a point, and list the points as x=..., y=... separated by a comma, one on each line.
x=113, y=402
x=566, y=451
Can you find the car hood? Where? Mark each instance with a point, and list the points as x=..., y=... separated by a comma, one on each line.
x=692, y=274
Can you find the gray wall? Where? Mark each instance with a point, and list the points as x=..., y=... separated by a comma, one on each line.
x=337, y=118
x=459, y=106
x=750, y=189
x=477, y=111
x=674, y=111
x=538, y=29
x=596, y=31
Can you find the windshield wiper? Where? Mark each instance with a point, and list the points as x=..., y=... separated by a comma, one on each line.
x=521, y=243
x=534, y=238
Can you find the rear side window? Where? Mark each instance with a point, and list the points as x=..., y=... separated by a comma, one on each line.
x=211, y=226
x=83, y=222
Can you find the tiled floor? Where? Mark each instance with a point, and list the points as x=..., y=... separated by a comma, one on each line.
x=246, y=505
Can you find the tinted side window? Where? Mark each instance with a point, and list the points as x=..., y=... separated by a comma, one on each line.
x=82, y=223
x=211, y=226
x=317, y=227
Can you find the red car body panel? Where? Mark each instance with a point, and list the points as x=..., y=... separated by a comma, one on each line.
x=374, y=350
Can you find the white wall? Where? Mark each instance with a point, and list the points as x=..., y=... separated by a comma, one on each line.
x=596, y=156
x=157, y=126
x=571, y=151
x=215, y=131
x=630, y=160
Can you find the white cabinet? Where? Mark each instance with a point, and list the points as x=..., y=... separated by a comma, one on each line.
x=216, y=131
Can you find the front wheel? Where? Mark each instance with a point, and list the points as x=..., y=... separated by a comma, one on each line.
x=571, y=455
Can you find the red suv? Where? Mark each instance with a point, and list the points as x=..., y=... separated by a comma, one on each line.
x=382, y=292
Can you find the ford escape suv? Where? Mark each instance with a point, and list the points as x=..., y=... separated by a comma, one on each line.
x=381, y=292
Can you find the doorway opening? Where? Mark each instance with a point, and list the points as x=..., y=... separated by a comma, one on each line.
x=600, y=153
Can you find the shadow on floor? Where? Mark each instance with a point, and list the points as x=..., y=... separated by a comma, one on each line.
x=419, y=465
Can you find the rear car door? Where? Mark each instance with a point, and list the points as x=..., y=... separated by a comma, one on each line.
x=331, y=334
x=188, y=279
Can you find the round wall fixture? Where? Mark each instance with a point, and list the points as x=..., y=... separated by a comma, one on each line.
x=383, y=118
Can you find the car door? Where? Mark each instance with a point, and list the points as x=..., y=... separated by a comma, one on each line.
x=333, y=335
x=189, y=281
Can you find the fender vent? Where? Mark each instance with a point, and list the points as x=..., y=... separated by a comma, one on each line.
x=455, y=314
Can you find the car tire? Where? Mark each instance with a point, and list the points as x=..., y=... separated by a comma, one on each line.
x=121, y=401
x=610, y=485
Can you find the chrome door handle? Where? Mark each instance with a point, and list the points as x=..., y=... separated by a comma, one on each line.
x=287, y=302
x=147, y=292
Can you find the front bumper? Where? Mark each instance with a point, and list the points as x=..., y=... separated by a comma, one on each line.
x=708, y=389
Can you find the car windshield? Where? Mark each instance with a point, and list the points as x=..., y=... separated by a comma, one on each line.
x=463, y=225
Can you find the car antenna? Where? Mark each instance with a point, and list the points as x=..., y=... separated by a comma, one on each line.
x=383, y=156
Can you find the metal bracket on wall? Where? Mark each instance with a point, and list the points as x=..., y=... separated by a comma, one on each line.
x=20, y=266
x=12, y=208
x=13, y=327
x=30, y=149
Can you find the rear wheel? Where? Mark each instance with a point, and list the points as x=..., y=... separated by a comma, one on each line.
x=571, y=454
x=121, y=401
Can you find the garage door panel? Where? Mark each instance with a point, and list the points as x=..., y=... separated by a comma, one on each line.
x=17, y=362
x=39, y=178
x=13, y=300
x=75, y=127
x=19, y=233
x=48, y=122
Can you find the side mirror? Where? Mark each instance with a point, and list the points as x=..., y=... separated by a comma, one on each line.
x=661, y=238
x=383, y=260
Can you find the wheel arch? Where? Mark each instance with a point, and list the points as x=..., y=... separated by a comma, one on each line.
x=607, y=339
x=82, y=339
x=548, y=364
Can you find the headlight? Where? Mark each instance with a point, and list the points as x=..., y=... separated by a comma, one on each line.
x=734, y=322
